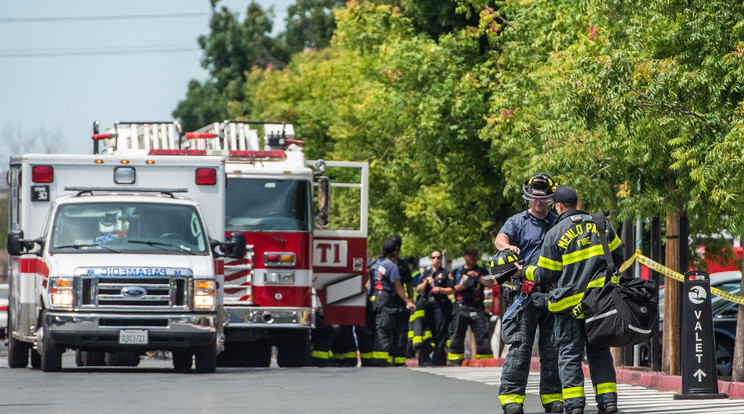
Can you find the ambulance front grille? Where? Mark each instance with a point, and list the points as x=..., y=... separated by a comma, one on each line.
x=146, y=293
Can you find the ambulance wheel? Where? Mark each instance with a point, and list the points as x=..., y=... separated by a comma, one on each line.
x=205, y=359
x=51, y=355
x=35, y=359
x=182, y=359
x=293, y=346
x=17, y=353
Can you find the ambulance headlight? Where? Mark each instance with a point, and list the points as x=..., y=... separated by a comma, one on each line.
x=286, y=277
x=204, y=294
x=60, y=292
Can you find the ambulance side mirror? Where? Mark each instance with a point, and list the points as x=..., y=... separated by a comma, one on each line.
x=237, y=245
x=15, y=243
x=324, y=202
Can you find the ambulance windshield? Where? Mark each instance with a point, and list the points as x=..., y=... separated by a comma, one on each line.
x=151, y=228
x=262, y=204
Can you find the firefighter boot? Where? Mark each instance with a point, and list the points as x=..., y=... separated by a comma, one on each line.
x=513, y=408
x=554, y=407
x=577, y=410
x=609, y=408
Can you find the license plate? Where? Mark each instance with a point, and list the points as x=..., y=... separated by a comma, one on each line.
x=133, y=336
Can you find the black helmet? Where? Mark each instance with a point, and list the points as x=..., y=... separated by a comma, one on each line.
x=503, y=265
x=539, y=187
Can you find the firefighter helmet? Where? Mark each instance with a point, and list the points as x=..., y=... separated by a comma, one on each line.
x=539, y=187
x=503, y=265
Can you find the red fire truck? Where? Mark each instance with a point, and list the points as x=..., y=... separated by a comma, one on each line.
x=302, y=256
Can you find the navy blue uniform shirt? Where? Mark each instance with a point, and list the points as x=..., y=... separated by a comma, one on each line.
x=527, y=232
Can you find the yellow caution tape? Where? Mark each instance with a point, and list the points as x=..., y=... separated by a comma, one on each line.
x=657, y=267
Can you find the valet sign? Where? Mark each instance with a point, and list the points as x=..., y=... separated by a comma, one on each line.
x=699, y=375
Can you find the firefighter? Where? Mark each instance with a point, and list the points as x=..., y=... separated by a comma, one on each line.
x=469, y=310
x=572, y=257
x=418, y=336
x=391, y=306
x=434, y=290
x=527, y=306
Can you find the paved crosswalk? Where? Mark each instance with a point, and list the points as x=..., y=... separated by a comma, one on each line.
x=631, y=398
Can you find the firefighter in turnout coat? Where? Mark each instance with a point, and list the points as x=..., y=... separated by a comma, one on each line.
x=572, y=257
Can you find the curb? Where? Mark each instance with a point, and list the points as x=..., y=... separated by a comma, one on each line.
x=624, y=376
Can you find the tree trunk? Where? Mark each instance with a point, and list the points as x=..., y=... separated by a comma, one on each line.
x=670, y=351
x=738, y=359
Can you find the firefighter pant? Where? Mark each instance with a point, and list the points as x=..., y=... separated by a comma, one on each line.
x=571, y=338
x=417, y=332
x=391, y=328
x=475, y=317
x=519, y=331
x=365, y=333
x=438, y=315
x=344, y=347
x=322, y=337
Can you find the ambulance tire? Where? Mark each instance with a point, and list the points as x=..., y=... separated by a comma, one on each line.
x=205, y=359
x=182, y=359
x=35, y=359
x=122, y=359
x=17, y=353
x=293, y=346
x=51, y=355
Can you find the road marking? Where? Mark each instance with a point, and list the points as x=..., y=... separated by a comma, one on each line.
x=631, y=398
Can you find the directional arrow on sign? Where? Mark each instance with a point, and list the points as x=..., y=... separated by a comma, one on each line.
x=699, y=374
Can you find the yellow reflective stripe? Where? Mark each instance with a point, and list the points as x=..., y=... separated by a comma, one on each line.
x=582, y=254
x=365, y=355
x=529, y=273
x=417, y=340
x=596, y=283
x=380, y=355
x=511, y=398
x=605, y=388
x=549, y=264
x=483, y=356
x=565, y=303
x=573, y=392
x=614, y=244
x=346, y=355
x=455, y=357
x=427, y=335
x=410, y=334
x=549, y=398
x=416, y=315
x=320, y=354
x=399, y=360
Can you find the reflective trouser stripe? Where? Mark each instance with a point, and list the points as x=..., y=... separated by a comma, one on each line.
x=399, y=360
x=455, y=357
x=549, y=398
x=417, y=340
x=427, y=335
x=483, y=356
x=346, y=355
x=381, y=355
x=511, y=398
x=410, y=335
x=366, y=355
x=573, y=392
x=415, y=315
x=321, y=354
x=605, y=388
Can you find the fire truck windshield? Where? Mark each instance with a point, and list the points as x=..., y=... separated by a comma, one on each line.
x=152, y=228
x=263, y=204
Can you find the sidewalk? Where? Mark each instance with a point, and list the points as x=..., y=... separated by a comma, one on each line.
x=624, y=376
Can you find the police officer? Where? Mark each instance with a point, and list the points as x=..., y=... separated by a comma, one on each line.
x=572, y=257
x=434, y=290
x=390, y=308
x=469, y=310
x=523, y=233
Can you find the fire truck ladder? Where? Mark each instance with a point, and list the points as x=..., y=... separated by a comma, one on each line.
x=239, y=136
x=139, y=137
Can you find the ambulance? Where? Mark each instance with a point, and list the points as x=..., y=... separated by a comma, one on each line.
x=115, y=256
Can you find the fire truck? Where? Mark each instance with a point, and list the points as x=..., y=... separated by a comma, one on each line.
x=301, y=258
x=114, y=256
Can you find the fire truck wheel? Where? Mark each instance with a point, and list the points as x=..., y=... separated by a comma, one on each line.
x=122, y=359
x=205, y=359
x=35, y=359
x=51, y=355
x=182, y=359
x=17, y=353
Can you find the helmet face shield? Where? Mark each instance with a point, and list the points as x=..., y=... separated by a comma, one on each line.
x=539, y=187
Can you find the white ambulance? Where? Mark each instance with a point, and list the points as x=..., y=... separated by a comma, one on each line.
x=115, y=256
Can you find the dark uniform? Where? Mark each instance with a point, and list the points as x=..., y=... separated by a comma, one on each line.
x=527, y=232
x=572, y=257
x=469, y=310
x=437, y=315
x=391, y=317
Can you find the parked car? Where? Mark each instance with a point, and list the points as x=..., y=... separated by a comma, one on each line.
x=724, y=315
x=3, y=309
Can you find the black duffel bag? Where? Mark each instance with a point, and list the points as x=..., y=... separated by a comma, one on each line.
x=622, y=313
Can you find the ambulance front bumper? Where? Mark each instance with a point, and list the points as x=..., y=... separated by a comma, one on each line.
x=102, y=330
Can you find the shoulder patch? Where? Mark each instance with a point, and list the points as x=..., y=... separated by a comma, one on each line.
x=382, y=270
x=576, y=218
